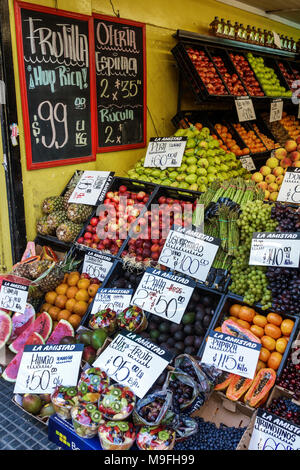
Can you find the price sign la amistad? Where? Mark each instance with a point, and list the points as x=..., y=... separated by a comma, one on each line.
x=275, y=249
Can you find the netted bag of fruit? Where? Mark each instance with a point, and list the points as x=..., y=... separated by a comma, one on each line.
x=153, y=409
x=184, y=389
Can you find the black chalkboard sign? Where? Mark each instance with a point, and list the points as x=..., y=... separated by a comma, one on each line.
x=120, y=65
x=57, y=86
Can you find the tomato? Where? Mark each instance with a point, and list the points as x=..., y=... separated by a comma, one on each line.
x=281, y=345
x=274, y=318
x=257, y=330
x=268, y=342
x=273, y=331
x=287, y=327
x=264, y=354
x=243, y=323
x=274, y=360
x=234, y=310
x=246, y=313
x=260, y=320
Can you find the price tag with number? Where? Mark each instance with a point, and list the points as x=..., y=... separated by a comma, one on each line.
x=163, y=294
x=248, y=163
x=290, y=187
x=91, y=187
x=272, y=432
x=13, y=296
x=165, y=152
x=245, y=109
x=189, y=252
x=115, y=299
x=134, y=361
x=45, y=366
x=231, y=354
x=96, y=265
x=275, y=249
x=276, y=108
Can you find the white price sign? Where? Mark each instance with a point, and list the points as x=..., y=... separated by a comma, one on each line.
x=115, y=299
x=276, y=108
x=45, y=366
x=275, y=249
x=189, y=252
x=91, y=187
x=245, y=109
x=13, y=296
x=134, y=361
x=274, y=433
x=290, y=188
x=163, y=294
x=248, y=163
x=96, y=265
x=163, y=152
x=231, y=354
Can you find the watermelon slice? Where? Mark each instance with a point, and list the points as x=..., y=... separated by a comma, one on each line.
x=63, y=328
x=42, y=325
x=20, y=321
x=11, y=371
x=5, y=328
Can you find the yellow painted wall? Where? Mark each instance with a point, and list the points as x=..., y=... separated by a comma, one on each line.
x=5, y=248
x=163, y=18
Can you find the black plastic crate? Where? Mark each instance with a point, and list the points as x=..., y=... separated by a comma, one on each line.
x=263, y=128
x=195, y=87
x=286, y=68
x=223, y=312
x=247, y=126
x=240, y=53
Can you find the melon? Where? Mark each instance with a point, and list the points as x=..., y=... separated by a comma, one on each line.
x=62, y=329
x=11, y=371
x=42, y=325
x=20, y=321
x=5, y=328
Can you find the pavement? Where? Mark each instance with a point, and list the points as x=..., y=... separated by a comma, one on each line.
x=18, y=430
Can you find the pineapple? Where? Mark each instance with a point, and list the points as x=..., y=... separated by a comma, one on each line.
x=70, y=188
x=37, y=268
x=79, y=213
x=22, y=270
x=43, y=227
x=68, y=231
x=56, y=218
x=54, y=276
x=52, y=204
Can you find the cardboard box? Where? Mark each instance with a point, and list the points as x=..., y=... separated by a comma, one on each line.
x=245, y=440
x=17, y=400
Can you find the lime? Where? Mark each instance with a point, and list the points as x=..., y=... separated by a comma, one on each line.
x=98, y=338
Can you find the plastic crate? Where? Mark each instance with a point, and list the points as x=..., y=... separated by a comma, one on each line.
x=232, y=55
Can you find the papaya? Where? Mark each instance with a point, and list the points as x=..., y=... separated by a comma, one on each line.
x=232, y=328
x=237, y=387
x=260, y=387
x=225, y=380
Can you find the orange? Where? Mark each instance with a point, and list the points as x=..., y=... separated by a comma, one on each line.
x=66, y=277
x=268, y=342
x=274, y=318
x=273, y=331
x=74, y=320
x=274, y=360
x=61, y=289
x=281, y=345
x=243, y=323
x=70, y=304
x=53, y=312
x=257, y=331
x=287, y=327
x=234, y=310
x=264, y=354
x=247, y=313
x=80, y=308
x=73, y=278
x=260, y=320
x=82, y=294
x=93, y=289
x=71, y=292
x=50, y=297
x=45, y=307
x=83, y=284
x=61, y=300
x=63, y=315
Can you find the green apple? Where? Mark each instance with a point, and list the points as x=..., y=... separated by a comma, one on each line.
x=174, y=184
x=191, y=160
x=202, y=188
x=203, y=163
x=183, y=185
x=180, y=133
x=155, y=173
x=181, y=177
x=211, y=170
x=191, y=169
x=202, y=180
x=182, y=168
x=189, y=152
x=201, y=153
x=167, y=182
x=191, y=143
x=173, y=175
x=211, y=178
x=201, y=172
x=191, y=179
x=193, y=187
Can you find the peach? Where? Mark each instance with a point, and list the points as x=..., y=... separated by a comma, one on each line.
x=273, y=187
x=262, y=185
x=298, y=139
x=273, y=196
x=296, y=164
x=278, y=171
x=272, y=162
x=267, y=194
x=270, y=179
x=265, y=170
x=257, y=177
x=294, y=156
x=290, y=145
x=279, y=179
x=280, y=153
x=286, y=162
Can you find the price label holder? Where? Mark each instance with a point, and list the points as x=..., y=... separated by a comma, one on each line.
x=231, y=354
x=163, y=152
x=164, y=294
x=13, y=296
x=115, y=299
x=45, y=366
x=189, y=252
x=91, y=187
x=134, y=361
x=276, y=108
x=275, y=249
x=245, y=109
x=290, y=188
x=272, y=432
x=96, y=265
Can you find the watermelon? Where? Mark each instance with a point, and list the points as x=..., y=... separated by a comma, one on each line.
x=5, y=328
x=42, y=325
x=62, y=329
x=20, y=321
x=11, y=371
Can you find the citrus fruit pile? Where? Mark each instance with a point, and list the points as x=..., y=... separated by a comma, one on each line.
x=71, y=298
